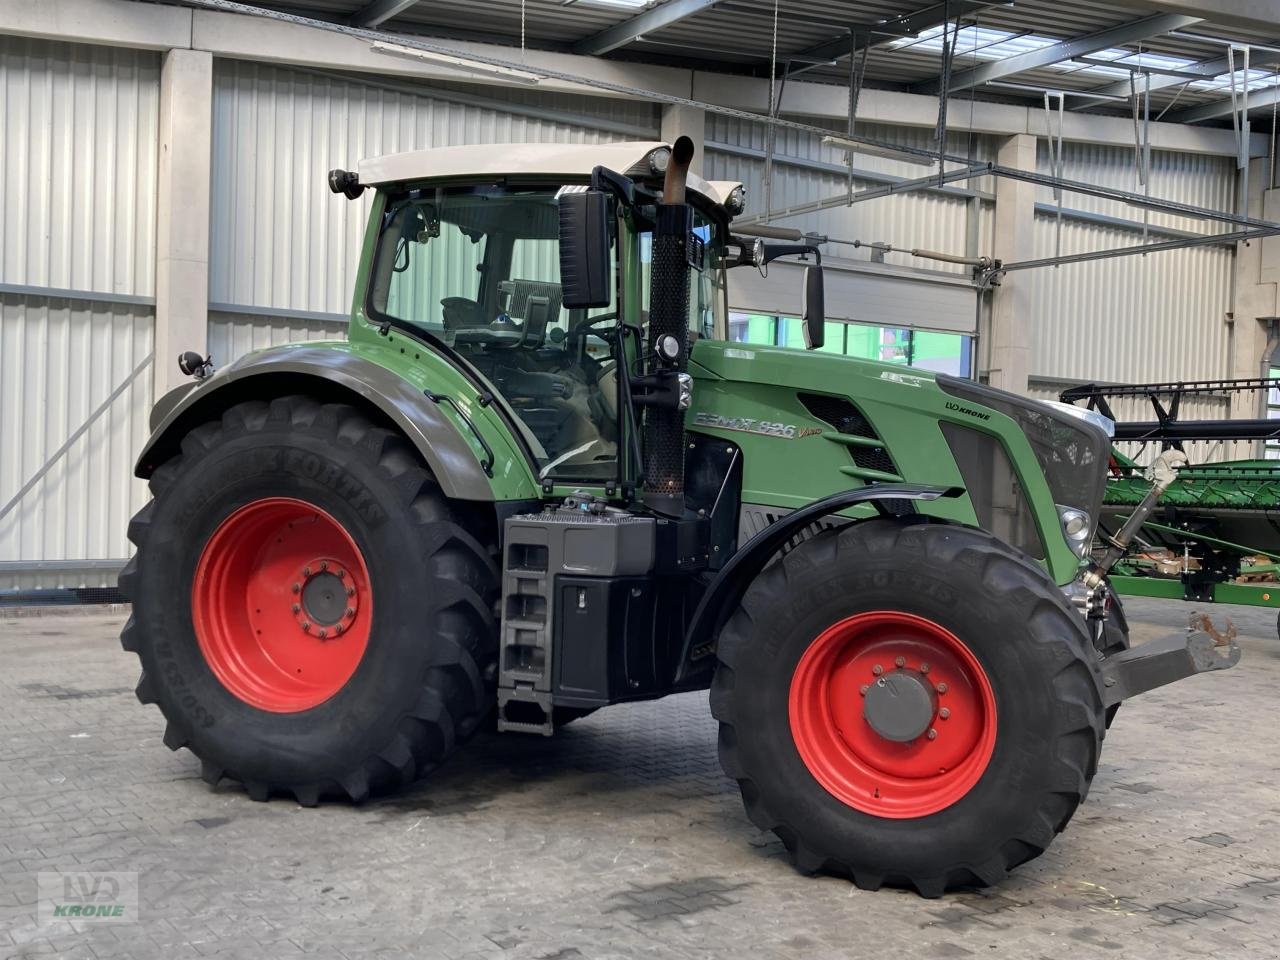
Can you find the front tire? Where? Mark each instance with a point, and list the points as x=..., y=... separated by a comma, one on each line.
x=311, y=614
x=832, y=680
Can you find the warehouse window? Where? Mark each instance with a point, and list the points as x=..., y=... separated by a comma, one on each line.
x=940, y=352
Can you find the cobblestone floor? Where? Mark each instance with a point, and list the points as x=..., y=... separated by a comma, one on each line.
x=617, y=838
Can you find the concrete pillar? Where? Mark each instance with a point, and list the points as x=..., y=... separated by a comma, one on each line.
x=690, y=122
x=1008, y=333
x=182, y=212
x=1257, y=307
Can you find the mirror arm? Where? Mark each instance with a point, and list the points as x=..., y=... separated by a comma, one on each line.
x=772, y=251
x=634, y=197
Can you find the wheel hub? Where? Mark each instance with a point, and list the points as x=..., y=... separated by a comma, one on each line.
x=892, y=714
x=277, y=583
x=900, y=706
x=326, y=598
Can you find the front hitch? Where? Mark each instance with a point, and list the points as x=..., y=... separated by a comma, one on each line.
x=1154, y=664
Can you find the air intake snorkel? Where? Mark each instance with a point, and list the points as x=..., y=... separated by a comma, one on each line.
x=664, y=390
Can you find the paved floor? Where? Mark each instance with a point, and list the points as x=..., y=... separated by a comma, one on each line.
x=618, y=838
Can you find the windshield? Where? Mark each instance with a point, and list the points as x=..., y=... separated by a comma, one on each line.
x=478, y=267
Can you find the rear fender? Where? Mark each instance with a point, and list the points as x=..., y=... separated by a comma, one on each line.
x=337, y=375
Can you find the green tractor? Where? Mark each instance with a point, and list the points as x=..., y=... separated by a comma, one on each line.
x=536, y=480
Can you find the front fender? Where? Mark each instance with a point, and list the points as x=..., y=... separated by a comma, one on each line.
x=333, y=372
x=729, y=585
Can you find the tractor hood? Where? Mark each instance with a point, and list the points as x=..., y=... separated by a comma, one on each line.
x=802, y=369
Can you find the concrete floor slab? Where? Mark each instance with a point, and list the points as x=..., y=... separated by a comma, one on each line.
x=619, y=837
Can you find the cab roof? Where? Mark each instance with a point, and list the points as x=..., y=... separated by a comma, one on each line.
x=570, y=160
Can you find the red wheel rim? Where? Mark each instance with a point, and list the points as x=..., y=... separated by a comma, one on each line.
x=829, y=714
x=281, y=604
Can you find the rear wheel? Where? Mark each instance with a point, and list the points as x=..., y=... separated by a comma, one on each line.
x=311, y=613
x=909, y=703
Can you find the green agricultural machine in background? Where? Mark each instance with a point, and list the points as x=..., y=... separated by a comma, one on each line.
x=1216, y=535
x=536, y=480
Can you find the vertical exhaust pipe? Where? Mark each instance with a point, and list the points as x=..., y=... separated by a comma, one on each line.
x=663, y=432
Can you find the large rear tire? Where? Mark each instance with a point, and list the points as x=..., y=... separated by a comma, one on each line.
x=908, y=703
x=311, y=613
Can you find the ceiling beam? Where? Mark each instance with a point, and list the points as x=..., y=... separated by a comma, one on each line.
x=1116, y=36
x=1217, y=109
x=655, y=18
x=1205, y=68
x=1260, y=15
x=380, y=11
x=907, y=26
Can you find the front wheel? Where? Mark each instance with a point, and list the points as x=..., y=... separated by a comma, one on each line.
x=908, y=703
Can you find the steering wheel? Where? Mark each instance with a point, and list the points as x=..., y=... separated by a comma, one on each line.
x=580, y=330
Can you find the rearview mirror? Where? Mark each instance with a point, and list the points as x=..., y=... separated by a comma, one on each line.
x=813, y=309
x=584, y=249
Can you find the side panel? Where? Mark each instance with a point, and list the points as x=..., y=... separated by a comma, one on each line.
x=394, y=376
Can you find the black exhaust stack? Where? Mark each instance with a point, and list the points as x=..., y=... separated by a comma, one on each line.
x=664, y=440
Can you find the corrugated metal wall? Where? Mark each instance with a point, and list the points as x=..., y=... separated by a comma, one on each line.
x=1160, y=317
x=279, y=237
x=1135, y=319
x=78, y=128
x=925, y=219
x=233, y=335
x=78, y=158
x=1196, y=179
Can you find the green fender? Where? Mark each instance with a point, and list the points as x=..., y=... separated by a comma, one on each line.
x=449, y=442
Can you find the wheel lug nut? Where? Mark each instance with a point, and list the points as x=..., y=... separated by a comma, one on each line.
x=297, y=608
x=306, y=626
x=297, y=588
x=320, y=634
x=306, y=571
x=351, y=611
x=341, y=574
x=900, y=661
x=351, y=591
x=932, y=734
x=338, y=628
x=944, y=712
x=865, y=688
x=324, y=564
x=877, y=669
x=942, y=688
x=924, y=668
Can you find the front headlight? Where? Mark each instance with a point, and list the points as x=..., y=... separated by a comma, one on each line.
x=1077, y=527
x=736, y=202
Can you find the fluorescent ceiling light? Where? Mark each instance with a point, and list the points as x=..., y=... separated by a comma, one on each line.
x=458, y=63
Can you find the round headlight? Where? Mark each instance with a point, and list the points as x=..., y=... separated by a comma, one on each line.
x=736, y=202
x=1077, y=527
x=658, y=159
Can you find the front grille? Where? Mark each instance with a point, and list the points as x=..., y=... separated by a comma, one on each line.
x=997, y=497
x=841, y=414
x=1072, y=454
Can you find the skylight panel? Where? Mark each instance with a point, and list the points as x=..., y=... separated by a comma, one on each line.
x=1258, y=80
